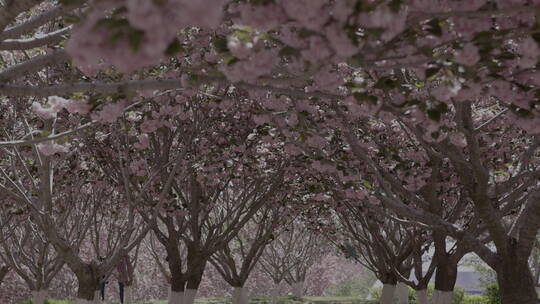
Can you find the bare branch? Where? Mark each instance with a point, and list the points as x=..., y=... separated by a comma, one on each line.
x=35, y=22
x=33, y=65
x=25, y=44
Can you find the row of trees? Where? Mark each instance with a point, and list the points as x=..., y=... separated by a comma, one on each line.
x=28, y=253
x=389, y=127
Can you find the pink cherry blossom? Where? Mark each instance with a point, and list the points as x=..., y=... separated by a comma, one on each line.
x=50, y=148
x=262, y=17
x=139, y=167
x=144, y=142
x=318, y=50
x=310, y=13
x=149, y=126
x=530, y=51
x=249, y=69
x=261, y=119
x=46, y=112
x=468, y=55
x=340, y=41
x=110, y=112
x=77, y=106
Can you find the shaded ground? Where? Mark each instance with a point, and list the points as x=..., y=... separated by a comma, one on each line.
x=281, y=300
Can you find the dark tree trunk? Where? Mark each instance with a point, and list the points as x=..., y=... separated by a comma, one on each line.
x=86, y=289
x=178, y=282
x=195, y=274
x=516, y=282
x=3, y=272
x=196, y=262
x=389, y=281
x=178, y=279
x=388, y=278
x=445, y=275
x=88, y=283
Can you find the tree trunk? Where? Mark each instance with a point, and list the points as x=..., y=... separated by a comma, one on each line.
x=176, y=290
x=86, y=292
x=189, y=296
x=387, y=296
x=3, y=272
x=240, y=296
x=435, y=296
x=178, y=280
x=97, y=297
x=275, y=292
x=195, y=269
x=516, y=282
x=442, y=297
x=128, y=294
x=298, y=289
x=422, y=296
x=88, y=287
x=39, y=296
x=196, y=265
x=445, y=280
x=193, y=282
x=176, y=297
x=402, y=293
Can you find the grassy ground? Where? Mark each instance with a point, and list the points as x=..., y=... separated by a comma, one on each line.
x=261, y=300
x=284, y=300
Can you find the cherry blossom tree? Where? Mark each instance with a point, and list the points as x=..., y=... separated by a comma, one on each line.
x=309, y=251
x=454, y=81
x=33, y=258
x=496, y=227
x=161, y=258
x=290, y=255
x=380, y=244
x=210, y=169
x=237, y=259
x=66, y=212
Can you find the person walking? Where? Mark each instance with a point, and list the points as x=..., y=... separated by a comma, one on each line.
x=125, y=275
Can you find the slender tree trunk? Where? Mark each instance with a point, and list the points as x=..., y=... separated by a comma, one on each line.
x=388, y=291
x=402, y=293
x=39, y=296
x=445, y=280
x=240, y=295
x=87, y=293
x=128, y=294
x=298, y=289
x=88, y=286
x=422, y=296
x=442, y=297
x=97, y=297
x=189, y=296
x=516, y=282
x=3, y=272
x=176, y=297
x=276, y=292
x=194, y=278
x=178, y=280
x=196, y=263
